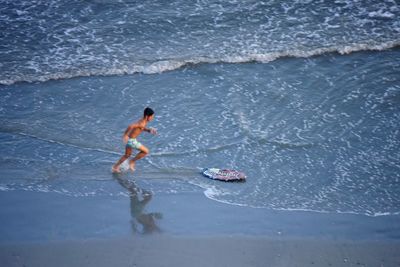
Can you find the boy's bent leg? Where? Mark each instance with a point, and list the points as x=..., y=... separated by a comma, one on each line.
x=143, y=152
x=128, y=153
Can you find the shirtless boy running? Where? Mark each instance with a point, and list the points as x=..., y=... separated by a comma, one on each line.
x=130, y=135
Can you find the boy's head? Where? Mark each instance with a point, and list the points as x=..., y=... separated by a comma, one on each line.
x=148, y=114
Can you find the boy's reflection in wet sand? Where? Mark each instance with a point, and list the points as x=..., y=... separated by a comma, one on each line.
x=146, y=220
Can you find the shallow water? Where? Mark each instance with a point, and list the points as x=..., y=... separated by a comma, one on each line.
x=313, y=124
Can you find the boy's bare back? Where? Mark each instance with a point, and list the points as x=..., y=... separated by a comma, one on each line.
x=136, y=128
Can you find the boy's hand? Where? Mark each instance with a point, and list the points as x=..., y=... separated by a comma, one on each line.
x=126, y=138
x=153, y=131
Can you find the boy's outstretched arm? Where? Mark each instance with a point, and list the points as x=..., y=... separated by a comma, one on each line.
x=150, y=130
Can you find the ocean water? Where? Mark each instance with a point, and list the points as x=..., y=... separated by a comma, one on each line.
x=302, y=96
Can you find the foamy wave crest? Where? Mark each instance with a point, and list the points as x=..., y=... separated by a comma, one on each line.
x=164, y=65
x=222, y=195
x=156, y=67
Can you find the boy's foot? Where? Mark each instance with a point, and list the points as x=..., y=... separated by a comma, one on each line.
x=115, y=169
x=132, y=165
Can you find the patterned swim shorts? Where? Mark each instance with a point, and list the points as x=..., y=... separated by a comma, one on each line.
x=133, y=143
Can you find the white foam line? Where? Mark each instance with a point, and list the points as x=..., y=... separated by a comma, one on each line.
x=376, y=214
x=208, y=192
x=164, y=65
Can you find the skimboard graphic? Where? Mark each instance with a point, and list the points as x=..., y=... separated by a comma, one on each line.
x=224, y=175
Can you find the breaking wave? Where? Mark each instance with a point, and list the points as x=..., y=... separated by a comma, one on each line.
x=164, y=65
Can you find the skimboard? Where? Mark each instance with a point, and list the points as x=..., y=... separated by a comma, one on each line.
x=224, y=175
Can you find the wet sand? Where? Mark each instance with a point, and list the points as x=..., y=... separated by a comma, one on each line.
x=218, y=251
x=184, y=229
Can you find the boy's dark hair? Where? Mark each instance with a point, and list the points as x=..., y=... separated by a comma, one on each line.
x=148, y=112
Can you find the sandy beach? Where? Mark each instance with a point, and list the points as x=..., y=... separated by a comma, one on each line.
x=202, y=251
x=46, y=229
